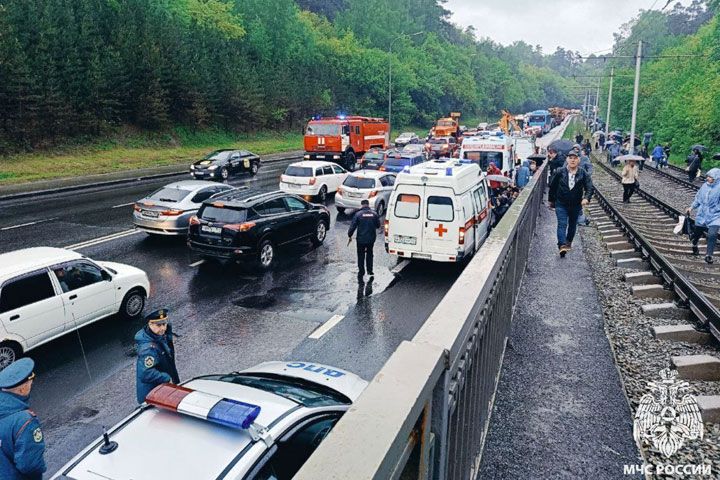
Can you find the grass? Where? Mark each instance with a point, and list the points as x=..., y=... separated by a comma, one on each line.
x=133, y=150
x=575, y=124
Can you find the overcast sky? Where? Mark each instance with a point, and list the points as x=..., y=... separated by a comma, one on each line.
x=578, y=25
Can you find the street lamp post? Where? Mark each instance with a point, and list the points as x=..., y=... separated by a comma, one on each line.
x=390, y=81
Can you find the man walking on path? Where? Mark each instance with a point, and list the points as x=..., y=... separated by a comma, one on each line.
x=366, y=222
x=570, y=190
x=707, y=213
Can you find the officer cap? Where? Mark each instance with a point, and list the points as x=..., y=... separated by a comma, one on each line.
x=17, y=373
x=573, y=153
x=159, y=316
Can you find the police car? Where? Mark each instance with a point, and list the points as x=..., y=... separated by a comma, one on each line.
x=262, y=423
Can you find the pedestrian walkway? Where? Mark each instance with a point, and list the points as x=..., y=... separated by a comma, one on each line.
x=560, y=410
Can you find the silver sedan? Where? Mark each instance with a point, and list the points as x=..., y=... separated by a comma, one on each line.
x=167, y=211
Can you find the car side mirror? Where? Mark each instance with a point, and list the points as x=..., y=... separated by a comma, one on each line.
x=106, y=275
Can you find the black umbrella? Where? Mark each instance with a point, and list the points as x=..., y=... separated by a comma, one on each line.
x=702, y=148
x=637, y=140
x=716, y=156
x=538, y=158
x=562, y=146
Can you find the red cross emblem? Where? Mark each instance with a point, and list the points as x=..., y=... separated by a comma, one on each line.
x=440, y=230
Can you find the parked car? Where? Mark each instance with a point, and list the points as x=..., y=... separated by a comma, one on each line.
x=48, y=292
x=396, y=163
x=373, y=159
x=371, y=185
x=249, y=224
x=406, y=138
x=312, y=179
x=415, y=148
x=167, y=211
x=262, y=423
x=438, y=147
x=220, y=164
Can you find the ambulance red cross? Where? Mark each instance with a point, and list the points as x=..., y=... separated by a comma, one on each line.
x=259, y=424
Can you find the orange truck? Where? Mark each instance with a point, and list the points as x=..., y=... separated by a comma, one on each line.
x=344, y=139
x=447, y=127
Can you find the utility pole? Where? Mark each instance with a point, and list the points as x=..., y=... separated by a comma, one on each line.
x=638, y=59
x=597, y=97
x=607, y=121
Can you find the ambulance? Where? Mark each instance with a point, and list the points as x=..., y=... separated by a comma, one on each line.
x=490, y=147
x=438, y=211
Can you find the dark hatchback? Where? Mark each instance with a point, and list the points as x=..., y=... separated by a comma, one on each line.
x=397, y=162
x=252, y=225
x=220, y=164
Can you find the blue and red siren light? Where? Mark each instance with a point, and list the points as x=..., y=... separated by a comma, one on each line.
x=219, y=410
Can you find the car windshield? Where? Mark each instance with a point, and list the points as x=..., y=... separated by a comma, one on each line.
x=169, y=194
x=370, y=157
x=323, y=129
x=359, y=182
x=398, y=162
x=484, y=158
x=413, y=148
x=305, y=393
x=218, y=155
x=211, y=213
x=537, y=118
x=299, y=171
x=438, y=141
x=446, y=123
x=405, y=135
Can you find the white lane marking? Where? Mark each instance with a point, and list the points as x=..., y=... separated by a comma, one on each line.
x=106, y=238
x=325, y=327
x=198, y=263
x=398, y=268
x=28, y=224
x=124, y=205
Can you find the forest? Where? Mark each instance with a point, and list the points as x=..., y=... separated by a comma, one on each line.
x=79, y=69
x=679, y=95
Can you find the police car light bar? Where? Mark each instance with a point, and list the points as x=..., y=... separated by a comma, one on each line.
x=223, y=411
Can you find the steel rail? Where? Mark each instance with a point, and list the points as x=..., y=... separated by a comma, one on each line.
x=705, y=311
x=673, y=178
x=681, y=170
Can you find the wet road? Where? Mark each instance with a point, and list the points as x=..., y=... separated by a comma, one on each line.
x=229, y=317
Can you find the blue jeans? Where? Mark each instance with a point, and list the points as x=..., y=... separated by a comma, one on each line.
x=567, y=218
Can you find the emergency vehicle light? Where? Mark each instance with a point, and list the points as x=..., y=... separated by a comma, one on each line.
x=223, y=411
x=406, y=169
x=448, y=171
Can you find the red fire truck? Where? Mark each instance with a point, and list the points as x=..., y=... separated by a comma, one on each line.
x=344, y=139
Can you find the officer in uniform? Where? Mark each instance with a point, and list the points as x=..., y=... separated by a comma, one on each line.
x=21, y=438
x=155, y=354
x=366, y=222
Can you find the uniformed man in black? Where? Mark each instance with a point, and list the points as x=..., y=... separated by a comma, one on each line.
x=366, y=222
x=21, y=439
x=155, y=354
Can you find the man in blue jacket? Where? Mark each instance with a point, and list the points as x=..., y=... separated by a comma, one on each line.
x=707, y=214
x=366, y=222
x=155, y=354
x=21, y=439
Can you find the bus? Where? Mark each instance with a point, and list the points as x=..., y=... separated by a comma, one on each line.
x=542, y=119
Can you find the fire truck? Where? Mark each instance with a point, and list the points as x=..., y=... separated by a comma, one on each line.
x=344, y=139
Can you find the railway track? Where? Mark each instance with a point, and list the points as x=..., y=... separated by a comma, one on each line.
x=648, y=223
x=680, y=172
x=670, y=176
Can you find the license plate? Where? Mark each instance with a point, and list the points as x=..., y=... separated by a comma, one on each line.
x=405, y=240
x=422, y=256
x=199, y=174
x=208, y=229
x=353, y=195
x=294, y=185
x=150, y=213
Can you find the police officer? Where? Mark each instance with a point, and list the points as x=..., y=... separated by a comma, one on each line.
x=155, y=354
x=366, y=222
x=21, y=438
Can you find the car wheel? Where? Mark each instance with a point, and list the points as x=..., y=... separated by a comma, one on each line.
x=340, y=210
x=133, y=304
x=254, y=169
x=224, y=173
x=322, y=196
x=380, y=209
x=266, y=254
x=350, y=162
x=320, y=233
x=9, y=352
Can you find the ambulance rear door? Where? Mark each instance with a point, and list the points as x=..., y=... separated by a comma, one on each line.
x=443, y=219
x=405, y=218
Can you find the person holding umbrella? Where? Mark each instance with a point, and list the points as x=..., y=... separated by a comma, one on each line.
x=707, y=214
x=696, y=162
x=629, y=176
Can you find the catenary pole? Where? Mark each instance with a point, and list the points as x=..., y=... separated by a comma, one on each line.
x=607, y=121
x=638, y=59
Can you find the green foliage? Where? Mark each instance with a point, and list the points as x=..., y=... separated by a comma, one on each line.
x=76, y=69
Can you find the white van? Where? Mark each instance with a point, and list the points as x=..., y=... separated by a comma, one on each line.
x=488, y=148
x=524, y=146
x=438, y=211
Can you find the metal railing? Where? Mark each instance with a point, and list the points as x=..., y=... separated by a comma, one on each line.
x=425, y=415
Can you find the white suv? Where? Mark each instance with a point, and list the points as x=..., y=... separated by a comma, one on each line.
x=47, y=292
x=312, y=179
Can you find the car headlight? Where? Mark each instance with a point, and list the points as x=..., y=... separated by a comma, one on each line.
x=213, y=167
x=306, y=156
x=192, y=167
x=336, y=157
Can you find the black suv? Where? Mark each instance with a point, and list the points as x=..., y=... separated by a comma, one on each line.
x=252, y=224
x=220, y=164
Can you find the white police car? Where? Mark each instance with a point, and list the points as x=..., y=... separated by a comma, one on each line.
x=261, y=424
